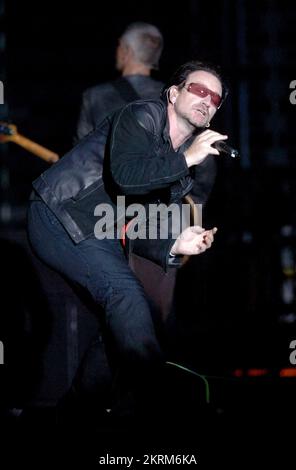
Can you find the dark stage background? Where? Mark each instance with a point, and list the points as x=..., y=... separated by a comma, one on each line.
x=236, y=308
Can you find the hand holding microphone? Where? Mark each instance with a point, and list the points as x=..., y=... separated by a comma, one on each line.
x=221, y=146
x=202, y=146
x=208, y=142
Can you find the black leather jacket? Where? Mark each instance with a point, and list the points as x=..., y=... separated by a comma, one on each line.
x=129, y=154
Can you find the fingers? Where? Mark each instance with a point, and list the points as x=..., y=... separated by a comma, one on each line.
x=193, y=241
x=202, y=242
x=190, y=232
x=196, y=229
x=211, y=136
x=202, y=146
x=208, y=236
x=211, y=231
x=214, y=151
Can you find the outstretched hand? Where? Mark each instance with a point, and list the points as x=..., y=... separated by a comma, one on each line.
x=193, y=241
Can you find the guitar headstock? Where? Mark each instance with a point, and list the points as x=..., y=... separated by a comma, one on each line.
x=7, y=132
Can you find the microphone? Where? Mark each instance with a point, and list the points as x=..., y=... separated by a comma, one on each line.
x=221, y=146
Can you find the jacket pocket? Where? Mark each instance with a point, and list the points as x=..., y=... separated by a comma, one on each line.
x=88, y=190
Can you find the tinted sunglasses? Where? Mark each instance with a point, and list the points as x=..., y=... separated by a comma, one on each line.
x=202, y=91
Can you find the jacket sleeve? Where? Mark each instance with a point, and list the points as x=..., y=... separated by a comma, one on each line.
x=157, y=251
x=136, y=166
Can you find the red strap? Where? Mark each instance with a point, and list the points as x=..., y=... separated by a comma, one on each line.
x=123, y=232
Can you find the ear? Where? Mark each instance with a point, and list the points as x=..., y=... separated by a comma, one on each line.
x=129, y=51
x=173, y=94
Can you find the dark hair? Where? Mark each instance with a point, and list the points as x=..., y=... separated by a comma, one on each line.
x=181, y=74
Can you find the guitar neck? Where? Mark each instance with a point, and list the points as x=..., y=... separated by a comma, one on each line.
x=35, y=148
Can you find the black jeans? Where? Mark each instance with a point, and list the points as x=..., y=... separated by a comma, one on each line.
x=101, y=267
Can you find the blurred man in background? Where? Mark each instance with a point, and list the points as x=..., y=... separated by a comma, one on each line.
x=137, y=54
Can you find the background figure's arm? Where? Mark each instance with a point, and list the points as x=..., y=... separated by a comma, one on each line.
x=85, y=123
